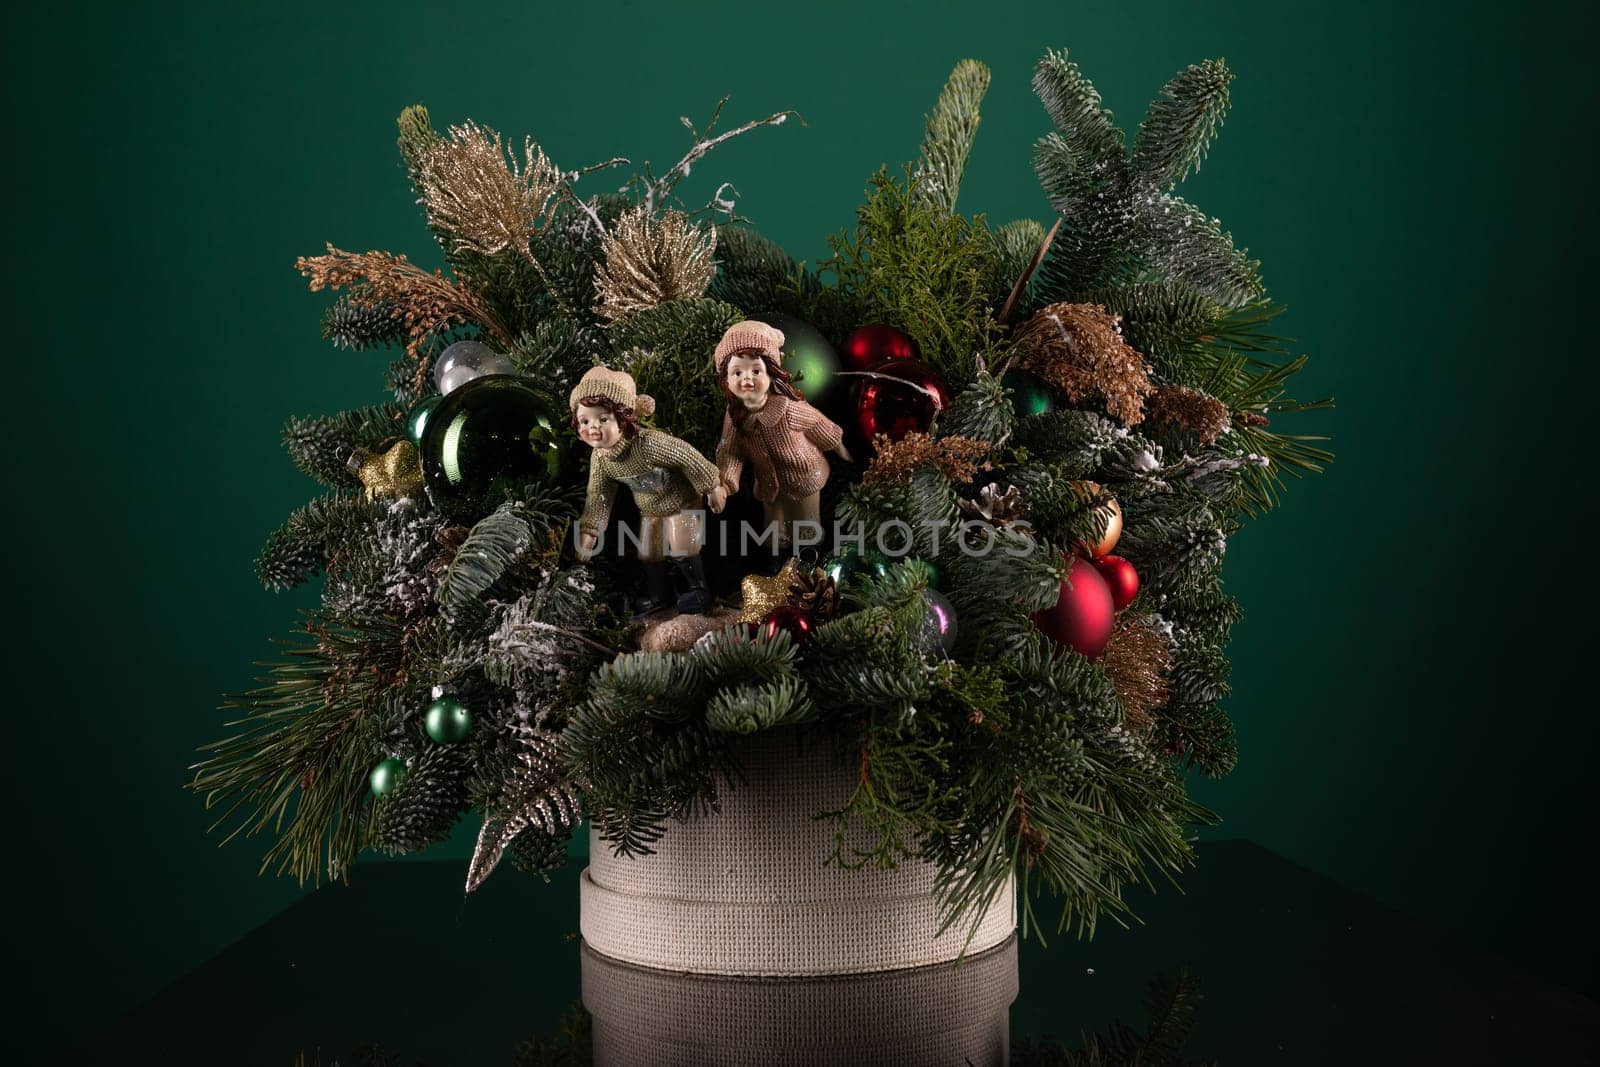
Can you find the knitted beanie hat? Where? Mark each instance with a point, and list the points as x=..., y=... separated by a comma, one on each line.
x=750, y=334
x=616, y=386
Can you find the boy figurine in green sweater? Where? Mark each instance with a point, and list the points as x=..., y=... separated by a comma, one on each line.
x=669, y=480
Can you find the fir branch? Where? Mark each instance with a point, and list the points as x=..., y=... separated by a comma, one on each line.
x=495, y=543
x=1173, y=139
x=415, y=136
x=982, y=411
x=752, y=271
x=426, y=805
x=321, y=445
x=1087, y=129
x=1020, y=247
x=747, y=709
x=300, y=548
x=1176, y=240
x=948, y=135
x=357, y=328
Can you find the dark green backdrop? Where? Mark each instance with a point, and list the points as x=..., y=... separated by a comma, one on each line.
x=1412, y=177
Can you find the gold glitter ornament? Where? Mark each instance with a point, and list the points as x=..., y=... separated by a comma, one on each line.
x=396, y=472
x=762, y=594
x=650, y=261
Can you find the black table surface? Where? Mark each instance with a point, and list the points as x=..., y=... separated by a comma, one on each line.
x=1293, y=969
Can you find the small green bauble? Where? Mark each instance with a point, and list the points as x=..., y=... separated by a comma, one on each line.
x=448, y=721
x=807, y=355
x=387, y=775
x=417, y=417
x=851, y=564
x=1030, y=394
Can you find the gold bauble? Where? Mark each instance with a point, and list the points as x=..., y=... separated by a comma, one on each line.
x=396, y=472
x=1112, y=511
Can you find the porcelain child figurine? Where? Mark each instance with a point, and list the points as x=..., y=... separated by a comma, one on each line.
x=771, y=427
x=668, y=478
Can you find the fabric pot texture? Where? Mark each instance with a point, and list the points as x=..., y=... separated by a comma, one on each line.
x=929, y=1016
x=745, y=891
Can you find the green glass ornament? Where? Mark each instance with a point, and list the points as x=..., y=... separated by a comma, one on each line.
x=851, y=564
x=1030, y=394
x=487, y=439
x=448, y=721
x=386, y=776
x=417, y=417
x=807, y=355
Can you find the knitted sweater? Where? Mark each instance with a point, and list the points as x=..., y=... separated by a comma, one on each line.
x=784, y=441
x=666, y=475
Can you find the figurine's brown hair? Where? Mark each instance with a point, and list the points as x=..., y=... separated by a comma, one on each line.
x=782, y=382
x=626, y=417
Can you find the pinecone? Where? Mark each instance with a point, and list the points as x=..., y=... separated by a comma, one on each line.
x=815, y=592
x=450, y=539
x=996, y=508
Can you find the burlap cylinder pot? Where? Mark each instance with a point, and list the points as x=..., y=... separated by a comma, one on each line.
x=745, y=891
x=929, y=1016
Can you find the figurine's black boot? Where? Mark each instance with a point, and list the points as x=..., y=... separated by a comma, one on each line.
x=658, y=589
x=695, y=598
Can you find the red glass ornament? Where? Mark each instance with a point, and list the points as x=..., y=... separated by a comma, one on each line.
x=875, y=343
x=1121, y=579
x=1084, y=616
x=902, y=396
x=797, y=621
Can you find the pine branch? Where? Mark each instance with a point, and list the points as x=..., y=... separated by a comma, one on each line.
x=948, y=135
x=300, y=762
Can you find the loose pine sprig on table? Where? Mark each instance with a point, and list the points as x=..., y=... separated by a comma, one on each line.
x=1008, y=756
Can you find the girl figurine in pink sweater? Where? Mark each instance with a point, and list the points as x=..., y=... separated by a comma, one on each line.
x=770, y=426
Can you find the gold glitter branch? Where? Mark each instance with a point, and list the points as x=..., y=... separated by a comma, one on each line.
x=476, y=190
x=1079, y=349
x=424, y=303
x=1137, y=661
x=649, y=261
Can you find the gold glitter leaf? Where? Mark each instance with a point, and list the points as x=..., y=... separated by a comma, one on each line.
x=650, y=261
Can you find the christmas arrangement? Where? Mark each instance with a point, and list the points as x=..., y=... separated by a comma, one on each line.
x=951, y=503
